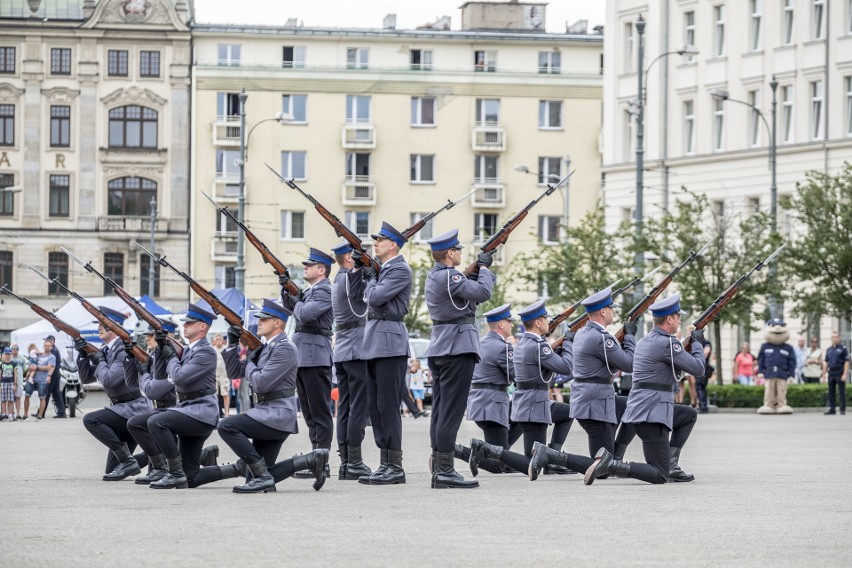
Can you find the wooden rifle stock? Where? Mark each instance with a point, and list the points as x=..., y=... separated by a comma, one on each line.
x=500, y=237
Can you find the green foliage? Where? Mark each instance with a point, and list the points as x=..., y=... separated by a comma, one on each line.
x=417, y=318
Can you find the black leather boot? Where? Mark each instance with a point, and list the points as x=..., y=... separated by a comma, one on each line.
x=675, y=473
x=127, y=465
x=393, y=474
x=305, y=474
x=383, y=465
x=461, y=453
x=618, y=451
x=554, y=468
x=543, y=457
x=433, y=462
x=356, y=467
x=158, y=470
x=314, y=463
x=446, y=477
x=175, y=478
x=343, y=452
x=231, y=470
x=605, y=464
x=209, y=455
x=479, y=450
x=261, y=480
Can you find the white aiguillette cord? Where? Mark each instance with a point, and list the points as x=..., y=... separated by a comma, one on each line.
x=348, y=301
x=450, y=294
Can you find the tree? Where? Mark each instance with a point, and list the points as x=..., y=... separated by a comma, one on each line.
x=417, y=319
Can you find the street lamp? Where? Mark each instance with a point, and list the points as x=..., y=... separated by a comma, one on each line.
x=563, y=188
x=151, y=264
x=723, y=95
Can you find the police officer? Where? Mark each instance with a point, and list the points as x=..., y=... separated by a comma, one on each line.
x=312, y=310
x=385, y=348
x=197, y=410
x=109, y=425
x=657, y=361
x=835, y=369
x=453, y=349
x=350, y=318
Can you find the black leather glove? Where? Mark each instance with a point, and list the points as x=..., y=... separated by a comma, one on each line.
x=568, y=337
x=630, y=328
x=128, y=347
x=234, y=333
x=697, y=336
x=143, y=367
x=368, y=272
x=357, y=258
x=254, y=354
x=485, y=259
x=95, y=357
x=160, y=336
x=80, y=345
x=167, y=351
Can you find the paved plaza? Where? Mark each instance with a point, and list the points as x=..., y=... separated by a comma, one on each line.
x=770, y=491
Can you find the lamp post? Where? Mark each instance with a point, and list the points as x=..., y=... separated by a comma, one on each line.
x=773, y=183
x=563, y=188
x=151, y=263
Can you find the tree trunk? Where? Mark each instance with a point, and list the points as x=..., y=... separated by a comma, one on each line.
x=717, y=340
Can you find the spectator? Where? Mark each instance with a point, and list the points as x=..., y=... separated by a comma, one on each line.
x=21, y=362
x=813, y=362
x=836, y=368
x=8, y=381
x=32, y=353
x=744, y=366
x=43, y=368
x=701, y=382
x=53, y=388
x=416, y=386
x=223, y=385
x=801, y=357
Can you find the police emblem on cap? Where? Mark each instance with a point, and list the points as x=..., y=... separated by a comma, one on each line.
x=457, y=277
x=677, y=346
x=610, y=343
x=546, y=350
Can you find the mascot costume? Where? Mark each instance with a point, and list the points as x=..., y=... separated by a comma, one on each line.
x=776, y=363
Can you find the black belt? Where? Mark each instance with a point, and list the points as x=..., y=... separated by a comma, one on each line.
x=274, y=395
x=536, y=385
x=132, y=395
x=489, y=387
x=184, y=396
x=313, y=330
x=594, y=380
x=350, y=325
x=164, y=403
x=383, y=316
x=652, y=386
x=457, y=321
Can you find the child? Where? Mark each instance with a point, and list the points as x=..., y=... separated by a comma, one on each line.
x=32, y=350
x=8, y=379
x=416, y=385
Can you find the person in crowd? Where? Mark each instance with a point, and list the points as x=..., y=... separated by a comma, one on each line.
x=53, y=388
x=21, y=362
x=835, y=370
x=416, y=386
x=813, y=362
x=8, y=379
x=801, y=358
x=744, y=366
x=223, y=385
x=41, y=371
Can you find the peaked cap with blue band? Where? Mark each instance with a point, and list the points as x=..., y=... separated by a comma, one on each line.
x=272, y=309
x=316, y=256
x=342, y=247
x=533, y=311
x=448, y=240
x=667, y=307
x=388, y=232
x=598, y=300
x=112, y=314
x=499, y=314
x=195, y=313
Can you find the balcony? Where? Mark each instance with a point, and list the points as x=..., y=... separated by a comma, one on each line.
x=489, y=138
x=224, y=247
x=226, y=188
x=359, y=191
x=126, y=226
x=226, y=131
x=359, y=136
x=490, y=193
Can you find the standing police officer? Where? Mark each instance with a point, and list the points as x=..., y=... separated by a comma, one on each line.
x=835, y=369
x=453, y=349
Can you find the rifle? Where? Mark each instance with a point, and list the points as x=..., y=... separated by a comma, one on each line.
x=232, y=317
x=636, y=311
x=715, y=308
x=420, y=223
x=135, y=305
x=501, y=236
x=138, y=353
x=269, y=258
x=57, y=323
x=581, y=321
x=559, y=318
x=338, y=226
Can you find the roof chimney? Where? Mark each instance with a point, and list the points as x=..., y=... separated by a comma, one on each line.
x=389, y=23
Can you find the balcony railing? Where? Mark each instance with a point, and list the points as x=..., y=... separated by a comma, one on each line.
x=489, y=193
x=226, y=131
x=359, y=190
x=226, y=188
x=125, y=224
x=224, y=247
x=488, y=138
x=359, y=136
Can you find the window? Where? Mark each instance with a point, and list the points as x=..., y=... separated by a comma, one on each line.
x=818, y=20
x=358, y=221
x=357, y=109
x=7, y=198
x=789, y=8
x=6, y=268
x=484, y=225
x=7, y=60
x=549, y=62
x=57, y=267
x=227, y=105
x=756, y=10
x=117, y=63
x=487, y=112
x=225, y=225
x=420, y=59
x=753, y=204
x=295, y=106
x=422, y=111
x=848, y=81
x=133, y=126
x=427, y=232
x=422, y=168
x=60, y=195
x=816, y=110
x=294, y=57
x=144, y=277
x=688, y=127
x=131, y=196
x=60, y=61
x=754, y=118
x=113, y=268
x=292, y=225
x=849, y=16
x=226, y=276
x=486, y=168
x=60, y=126
x=358, y=166
x=7, y=125
x=549, y=229
x=228, y=54
x=717, y=206
x=357, y=57
x=629, y=47
x=627, y=135
x=550, y=170
x=149, y=63
x=550, y=114
x=689, y=33
x=719, y=30
x=294, y=165
x=787, y=128
x=227, y=163
x=485, y=61
x=718, y=124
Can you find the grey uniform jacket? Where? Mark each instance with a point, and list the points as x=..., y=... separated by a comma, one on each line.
x=535, y=364
x=155, y=388
x=495, y=367
x=275, y=371
x=313, y=311
x=598, y=355
x=110, y=374
x=658, y=358
x=350, y=318
x=195, y=371
x=450, y=296
x=386, y=296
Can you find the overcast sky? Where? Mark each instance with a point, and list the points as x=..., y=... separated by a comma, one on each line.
x=369, y=13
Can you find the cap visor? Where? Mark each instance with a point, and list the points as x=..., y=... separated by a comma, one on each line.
x=374, y=237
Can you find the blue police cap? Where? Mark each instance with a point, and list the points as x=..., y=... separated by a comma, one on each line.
x=667, y=307
x=776, y=321
x=598, y=300
x=168, y=326
x=112, y=314
x=499, y=314
x=271, y=309
x=316, y=256
x=388, y=232
x=448, y=240
x=342, y=247
x=196, y=313
x=533, y=311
